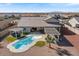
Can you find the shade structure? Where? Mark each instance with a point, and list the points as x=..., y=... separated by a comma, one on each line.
x=16, y=29
x=51, y=31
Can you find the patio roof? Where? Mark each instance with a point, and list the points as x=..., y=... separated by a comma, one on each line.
x=16, y=29
x=35, y=22
x=51, y=31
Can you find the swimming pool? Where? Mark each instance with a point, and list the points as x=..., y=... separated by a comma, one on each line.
x=22, y=45
x=23, y=41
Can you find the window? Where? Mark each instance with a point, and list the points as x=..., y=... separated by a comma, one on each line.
x=24, y=29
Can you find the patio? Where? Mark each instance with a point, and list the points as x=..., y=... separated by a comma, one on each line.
x=16, y=31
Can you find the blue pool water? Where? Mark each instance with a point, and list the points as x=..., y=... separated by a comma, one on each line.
x=23, y=41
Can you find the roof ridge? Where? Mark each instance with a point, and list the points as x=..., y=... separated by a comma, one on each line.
x=48, y=17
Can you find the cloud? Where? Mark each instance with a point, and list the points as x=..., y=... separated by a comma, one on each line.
x=5, y=4
x=72, y=4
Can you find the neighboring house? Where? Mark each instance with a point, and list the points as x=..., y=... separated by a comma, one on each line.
x=33, y=14
x=74, y=22
x=73, y=25
x=8, y=14
x=4, y=25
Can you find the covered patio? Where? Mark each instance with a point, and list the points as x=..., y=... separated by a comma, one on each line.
x=52, y=32
x=16, y=32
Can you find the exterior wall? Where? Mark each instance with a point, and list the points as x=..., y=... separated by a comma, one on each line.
x=73, y=22
x=39, y=28
x=28, y=29
x=75, y=30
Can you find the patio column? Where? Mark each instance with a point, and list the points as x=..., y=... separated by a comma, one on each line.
x=58, y=38
x=22, y=32
x=59, y=29
x=15, y=34
x=10, y=32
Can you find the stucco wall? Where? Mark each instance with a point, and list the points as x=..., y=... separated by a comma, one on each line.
x=28, y=29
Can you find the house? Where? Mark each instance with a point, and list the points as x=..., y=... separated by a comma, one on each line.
x=9, y=14
x=37, y=22
x=74, y=22
x=4, y=25
x=33, y=14
x=73, y=25
x=48, y=25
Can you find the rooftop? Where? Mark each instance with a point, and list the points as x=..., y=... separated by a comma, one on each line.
x=51, y=19
x=35, y=22
x=77, y=18
x=4, y=24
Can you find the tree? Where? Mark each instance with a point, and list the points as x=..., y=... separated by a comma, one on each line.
x=50, y=40
x=12, y=16
x=57, y=16
x=1, y=18
x=6, y=17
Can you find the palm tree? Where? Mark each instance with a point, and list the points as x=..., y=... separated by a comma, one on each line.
x=50, y=40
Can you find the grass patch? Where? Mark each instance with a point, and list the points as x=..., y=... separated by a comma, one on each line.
x=10, y=39
x=40, y=43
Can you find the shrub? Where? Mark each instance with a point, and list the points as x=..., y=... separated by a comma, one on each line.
x=40, y=43
x=17, y=17
x=25, y=33
x=10, y=39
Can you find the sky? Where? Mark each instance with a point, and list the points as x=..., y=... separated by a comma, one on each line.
x=39, y=7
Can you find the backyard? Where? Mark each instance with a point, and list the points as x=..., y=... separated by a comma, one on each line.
x=41, y=50
x=37, y=51
x=67, y=46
